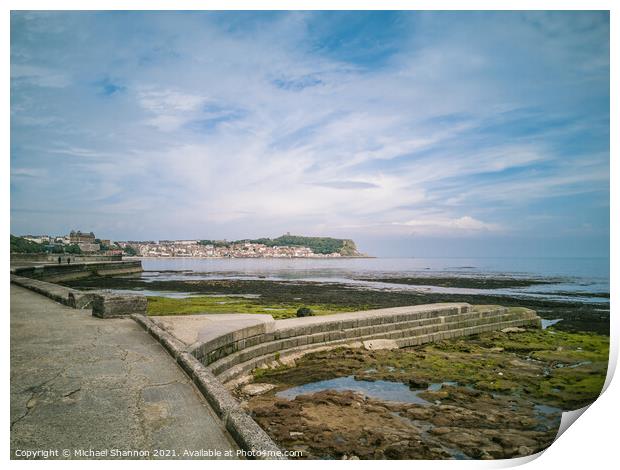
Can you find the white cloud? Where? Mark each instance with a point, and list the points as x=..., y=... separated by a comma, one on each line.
x=169, y=109
x=38, y=76
x=168, y=101
x=445, y=224
x=29, y=172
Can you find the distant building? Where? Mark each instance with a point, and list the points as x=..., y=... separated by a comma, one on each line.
x=37, y=238
x=81, y=237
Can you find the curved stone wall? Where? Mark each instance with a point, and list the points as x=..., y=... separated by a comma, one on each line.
x=233, y=355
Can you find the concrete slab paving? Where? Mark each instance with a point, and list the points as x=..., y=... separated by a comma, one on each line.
x=82, y=383
x=191, y=329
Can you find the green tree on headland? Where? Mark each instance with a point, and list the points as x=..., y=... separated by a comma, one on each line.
x=130, y=250
x=73, y=249
x=21, y=245
x=321, y=245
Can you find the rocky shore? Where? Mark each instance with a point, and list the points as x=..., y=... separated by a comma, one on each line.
x=347, y=425
x=497, y=395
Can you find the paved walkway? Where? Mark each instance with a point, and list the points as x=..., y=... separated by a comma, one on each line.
x=78, y=382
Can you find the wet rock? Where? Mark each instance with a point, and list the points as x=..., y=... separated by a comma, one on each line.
x=418, y=413
x=282, y=404
x=513, y=329
x=417, y=383
x=378, y=344
x=257, y=388
x=439, y=431
x=367, y=378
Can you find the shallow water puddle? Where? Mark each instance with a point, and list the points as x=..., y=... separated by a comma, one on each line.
x=378, y=389
x=548, y=416
x=547, y=410
x=547, y=323
x=156, y=293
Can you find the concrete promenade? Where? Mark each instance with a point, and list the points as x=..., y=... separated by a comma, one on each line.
x=78, y=382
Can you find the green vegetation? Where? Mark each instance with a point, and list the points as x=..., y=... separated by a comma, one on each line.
x=226, y=304
x=566, y=370
x=21, y=245
x=304, y=312
x=73, y=249
x=322, y=245
x=130, y=251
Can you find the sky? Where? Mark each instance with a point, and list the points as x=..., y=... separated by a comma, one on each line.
x=413, y=133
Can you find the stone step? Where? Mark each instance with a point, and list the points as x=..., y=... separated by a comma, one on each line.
x=243, y=364
x=238, y=372
x=412, y=320
x=264, y=345
x=343, y=321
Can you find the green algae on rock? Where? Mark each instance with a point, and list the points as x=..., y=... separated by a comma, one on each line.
x=576, y=316
x=228, y=304
x=501, y=398
x=562, y=369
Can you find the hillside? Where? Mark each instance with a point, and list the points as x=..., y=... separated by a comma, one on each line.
x=21, y=245
x=321, y=245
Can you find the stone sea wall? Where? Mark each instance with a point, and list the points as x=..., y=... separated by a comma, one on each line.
x=70, y=271
x=104, y=304
x=233, y=356
x=53, y=258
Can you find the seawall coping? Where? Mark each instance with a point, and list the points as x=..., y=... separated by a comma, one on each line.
x=61, y=294
x=251, y=437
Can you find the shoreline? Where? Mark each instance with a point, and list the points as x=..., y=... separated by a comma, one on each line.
x=287, y=296
x=248, y=257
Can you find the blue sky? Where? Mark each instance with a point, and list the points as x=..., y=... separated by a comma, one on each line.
x=415, y=133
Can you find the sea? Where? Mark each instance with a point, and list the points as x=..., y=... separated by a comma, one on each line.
x=584, y=279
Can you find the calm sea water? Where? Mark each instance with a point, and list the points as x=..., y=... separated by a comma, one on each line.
x=574, y=275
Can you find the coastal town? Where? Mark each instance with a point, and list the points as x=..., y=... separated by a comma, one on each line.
x=287, y=246
x=196, y=249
